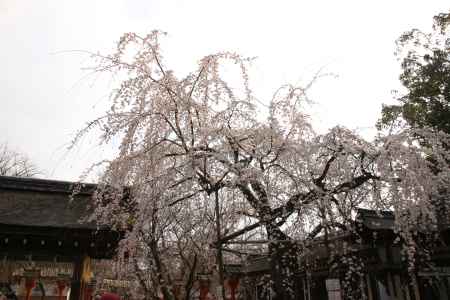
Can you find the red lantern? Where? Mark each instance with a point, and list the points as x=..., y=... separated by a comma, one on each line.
x=61, y=284
x=88, y=293
x=178, y=284
x=30, y=280
x=233, y=283
x=109, y=296
x=30, y=283
x=204, y=290
x=203, y=280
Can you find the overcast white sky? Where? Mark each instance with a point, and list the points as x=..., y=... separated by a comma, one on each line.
x=45, y=97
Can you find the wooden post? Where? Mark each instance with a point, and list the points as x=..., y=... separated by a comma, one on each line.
x=390, y=285
x=398, y=287
x=308, y=287
x=219, y=247
x=305, y=297
x=415, y=285
x=369, y=288
x=407, y=295
x=75, y=286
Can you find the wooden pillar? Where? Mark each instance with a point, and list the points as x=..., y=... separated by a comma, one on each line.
x=407, y=295
x=307, y=285
x=398, y=287
x=305, y=297
x=415, y=285
x=75, y=285
x=369, y=287
x=220, y=295
x=390, y=285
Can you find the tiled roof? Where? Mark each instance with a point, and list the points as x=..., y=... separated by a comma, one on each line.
x=376, y=220
x=43, y=203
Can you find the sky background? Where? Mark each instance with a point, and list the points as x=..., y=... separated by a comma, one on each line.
x=46, y=94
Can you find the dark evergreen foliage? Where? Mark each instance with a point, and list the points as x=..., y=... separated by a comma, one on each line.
x=425, y=62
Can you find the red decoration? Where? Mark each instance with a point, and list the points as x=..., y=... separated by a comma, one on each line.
x=61, y=287
x=203, y=280
x=88, y=292
x=30, y=283
x=177, y=291
x=109, y=296
x=233, y=283
x=204, y=290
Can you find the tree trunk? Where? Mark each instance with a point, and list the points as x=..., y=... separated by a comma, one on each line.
x=283, y=264
x=163, y=282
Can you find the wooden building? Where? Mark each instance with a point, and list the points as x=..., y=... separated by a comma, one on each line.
x=43, y=240
x=373, y=250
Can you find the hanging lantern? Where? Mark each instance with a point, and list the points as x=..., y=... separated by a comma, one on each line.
x=203, y=280
x=177, y=286
x=62, y=282
x=233, y=283
x=30, y=280
x=30, y=283
x=89, y=291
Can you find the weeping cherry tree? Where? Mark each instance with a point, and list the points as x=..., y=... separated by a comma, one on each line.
x=184, y=141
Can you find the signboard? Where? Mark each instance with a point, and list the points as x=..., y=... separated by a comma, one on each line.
x=333, y=284
x=116, y=283
x=333, y=288
x=46, y=269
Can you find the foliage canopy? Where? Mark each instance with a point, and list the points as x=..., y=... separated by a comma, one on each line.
x=425, y=62
x=184, y=141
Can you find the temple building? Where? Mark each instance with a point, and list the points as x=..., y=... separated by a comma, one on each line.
x=50, y=250
x=372, y=249
x=47, y=248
